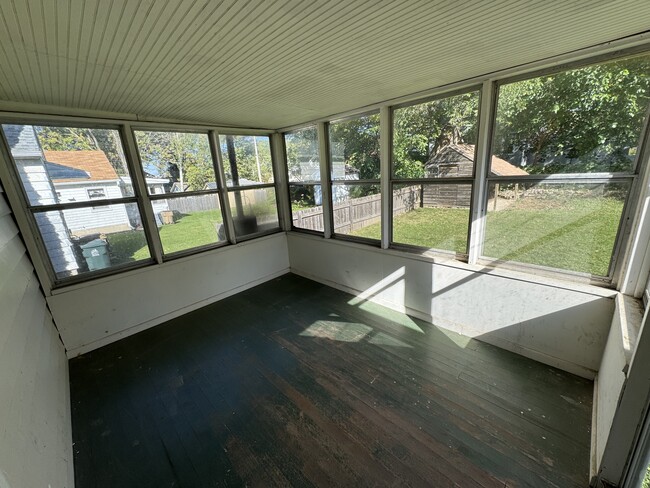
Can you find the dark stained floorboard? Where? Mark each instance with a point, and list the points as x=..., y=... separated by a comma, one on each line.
x=289, y=384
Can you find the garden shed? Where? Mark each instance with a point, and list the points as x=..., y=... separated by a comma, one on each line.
x=289, y=243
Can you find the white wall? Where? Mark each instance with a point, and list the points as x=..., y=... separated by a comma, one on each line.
x=561, y=324
x=96, y=313
x=612, y=373
x=35, y=427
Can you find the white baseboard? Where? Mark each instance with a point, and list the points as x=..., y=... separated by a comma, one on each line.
x=461, y=329
x=170, y=315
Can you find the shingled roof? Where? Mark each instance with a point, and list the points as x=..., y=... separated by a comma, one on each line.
x=499, y=167
x=89, y=166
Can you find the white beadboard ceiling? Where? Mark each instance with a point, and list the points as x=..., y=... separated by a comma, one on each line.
x=276, y=63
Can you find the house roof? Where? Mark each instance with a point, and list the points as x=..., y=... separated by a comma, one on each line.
x=498, y=166
x=81, y=165
x=22, y=140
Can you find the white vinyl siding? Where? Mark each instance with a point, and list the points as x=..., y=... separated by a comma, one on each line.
x=36, y=434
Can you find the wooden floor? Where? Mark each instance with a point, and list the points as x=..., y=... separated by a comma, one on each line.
x=288, y=384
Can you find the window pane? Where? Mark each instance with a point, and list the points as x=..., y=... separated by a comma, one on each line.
x=175, y=162
x=307, y=206
x=92, y=238
x=434, y=216
x=253, y=210
x=561, y=225
x=303, y=159
x=584, y=120
x=187, y=222
x=357, y=210
x=354, y=148
x=436, y=139
x=68, y=164
x=246, y=160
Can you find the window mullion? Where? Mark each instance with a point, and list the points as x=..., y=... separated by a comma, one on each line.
x=326, y=180
x=140, y=187
x=385, y=150
x=281, y=180
x=479, y=190
x=221, y=184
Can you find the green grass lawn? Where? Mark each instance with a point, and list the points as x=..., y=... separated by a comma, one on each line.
x=575, y=233
x=190, y=230
x=436, y=228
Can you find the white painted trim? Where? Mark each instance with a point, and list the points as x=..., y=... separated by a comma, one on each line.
x=593, y=451
x=169, y=316
x=22, y=111
x=224, y=199
x=479, y=188
x=281, y=181
x=132, y=155
x=325, y=178
x=385, y=170
x=28, y=228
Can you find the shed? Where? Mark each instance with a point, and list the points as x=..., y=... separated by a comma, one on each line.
x=457, y=160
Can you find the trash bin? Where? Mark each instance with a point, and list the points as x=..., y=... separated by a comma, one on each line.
x=96, y=254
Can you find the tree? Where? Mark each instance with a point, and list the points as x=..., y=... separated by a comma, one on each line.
x=421, y=131
x=252, y=155
x=84, y=139
x=355, y=145
x=183, y=157
x=583, y=120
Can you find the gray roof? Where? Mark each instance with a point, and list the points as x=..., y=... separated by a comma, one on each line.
x=62, y=172
x=22, y=140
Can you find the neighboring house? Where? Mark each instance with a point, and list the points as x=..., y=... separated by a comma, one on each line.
x=155, y=186
x=80, y=176
x=39, y=190
x=457, y=160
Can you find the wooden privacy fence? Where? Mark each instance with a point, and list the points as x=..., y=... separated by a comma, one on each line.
x=355, y=213
x=202, y=203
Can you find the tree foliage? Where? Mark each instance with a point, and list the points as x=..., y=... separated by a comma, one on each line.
x=421, y=131
x=303, y=158
x=252, y=157
x=354, y=145
x=583, y=120
x=183, y=157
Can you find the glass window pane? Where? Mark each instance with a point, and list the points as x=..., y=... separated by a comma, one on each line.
x=246, y=160
x=354, y=148
x=570, y=226
x=68, y=164
x=188, y=222
x=580, y=121
x=307, y=207
x=175, y=162
x=92, y=238
x=435, y=216
x=303, y=159
x=436, y=139
x=253, y=211
x=357, y=210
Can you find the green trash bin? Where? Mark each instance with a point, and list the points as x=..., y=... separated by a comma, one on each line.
x=96, y=254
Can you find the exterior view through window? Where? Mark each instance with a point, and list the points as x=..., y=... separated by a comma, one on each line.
x=303, y=164
x=182, y=186
x=80, y=193
x=573, y=136
x=249, y=178
x=433, y=171
x=354, y=160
